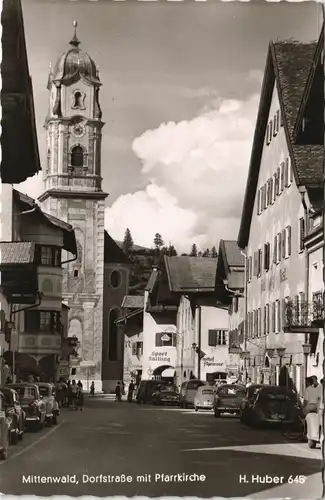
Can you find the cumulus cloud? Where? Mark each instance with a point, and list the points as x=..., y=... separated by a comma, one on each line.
x=196, y=174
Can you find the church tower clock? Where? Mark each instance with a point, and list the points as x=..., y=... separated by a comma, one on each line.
x=73, y=192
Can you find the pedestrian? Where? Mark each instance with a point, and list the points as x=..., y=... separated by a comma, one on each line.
x=74, y=392
x=130, y=391
x=118, y=391
x=312, y=395
x=248, y=382
x=80, y=398
x=79, y=384
x=92, y=389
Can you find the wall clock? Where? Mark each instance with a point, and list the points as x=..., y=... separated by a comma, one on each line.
x=78, y=130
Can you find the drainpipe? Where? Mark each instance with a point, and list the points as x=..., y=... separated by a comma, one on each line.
x=244, y=254
x=322, y=415
x=69, y=260
x=302, y=191
x=32, y=210
x=199, y=344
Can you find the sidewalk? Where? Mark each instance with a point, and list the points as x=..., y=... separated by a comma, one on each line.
x=102, y=395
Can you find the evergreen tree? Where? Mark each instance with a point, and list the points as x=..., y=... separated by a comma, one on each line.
x=158, y=241
x=206, y=253
x=172, y=252
x=193, y=251
x=127, y=242
x=214, y=252
x=200, y=254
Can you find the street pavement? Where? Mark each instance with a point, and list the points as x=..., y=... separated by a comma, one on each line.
x=128, y=449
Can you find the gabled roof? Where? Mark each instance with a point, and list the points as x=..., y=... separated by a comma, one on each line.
x=316, y=60
x=191, y=273
x=16, y=252
x=112, y=251
x=231, y=264
x=152, y=280
x=28, y=204
x=231, y=253
x=288, y=65
x=133, y=301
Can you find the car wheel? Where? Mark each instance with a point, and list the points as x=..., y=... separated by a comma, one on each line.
x=311, y=443
x=54, y=419
x=4, y=453
x=21, y=435
x=51, y=421
x=196, y=408
x=217, y=413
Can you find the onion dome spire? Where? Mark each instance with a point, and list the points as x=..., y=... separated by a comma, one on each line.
x=75, y=42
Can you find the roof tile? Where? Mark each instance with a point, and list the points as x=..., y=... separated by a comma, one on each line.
x=133, y=301
x=189, y=273
x=16, y=252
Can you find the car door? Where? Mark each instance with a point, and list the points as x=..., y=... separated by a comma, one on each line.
x=4, y=424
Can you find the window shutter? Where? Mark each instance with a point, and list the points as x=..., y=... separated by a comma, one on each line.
x=158, y=339
x=278, y=181
x=281, y=177
x=258, y=202
x=286, y=172
x=271, y=129
x=267, y=319
x=259, y=262
x=290, y=170
x=267, y=256
x=275, y=250
x=267, y=135
x=278, y=326
x=255, y=263
x=301, y=233
x=212, y=338
x=284, y=315
x=272, y=190
x=259, y=324
x=289, y=240
x=296, y=309
x=279, y=247
x=273, y=317
x=284, y=244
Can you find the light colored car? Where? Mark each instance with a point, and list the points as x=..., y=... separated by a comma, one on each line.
x=31, y=403
x=5, y=424
x=188, y=392
x=47, y=393
x=204, y=398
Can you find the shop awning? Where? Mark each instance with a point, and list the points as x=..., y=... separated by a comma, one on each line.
x=169, y=372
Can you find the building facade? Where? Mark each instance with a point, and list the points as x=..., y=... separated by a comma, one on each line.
x=273, y=222
x=73, y=192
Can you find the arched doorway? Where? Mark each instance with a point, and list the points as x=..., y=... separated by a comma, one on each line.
x=166, y=373
x=47, y=366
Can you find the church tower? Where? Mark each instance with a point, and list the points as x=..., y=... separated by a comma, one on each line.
x=73, y=192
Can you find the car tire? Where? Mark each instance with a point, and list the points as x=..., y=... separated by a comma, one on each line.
x=217, y=413
x=4, y=453
x=196, y=408
x=311, y=443
x=55, y=420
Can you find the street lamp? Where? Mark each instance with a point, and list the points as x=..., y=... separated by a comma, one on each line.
x=270, y=352
x=306, y=350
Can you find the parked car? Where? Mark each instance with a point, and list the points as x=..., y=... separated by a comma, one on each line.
x=32, y=404
x=16, y=413
x=146, y=389
x=47, y=392
x=269, y=404
x=228, y=398
x=166, y=394
x=5, y=423
x=188, y=392
x=204, y=398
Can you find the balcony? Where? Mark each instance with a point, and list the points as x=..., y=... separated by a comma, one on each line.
x=39, y=343
x=303, y=316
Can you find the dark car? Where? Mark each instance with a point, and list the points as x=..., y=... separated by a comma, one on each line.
x=146, y=389
x=166, y=394
x=269, y=404
x=228, y=399
x=16, y=414
x=32, y=404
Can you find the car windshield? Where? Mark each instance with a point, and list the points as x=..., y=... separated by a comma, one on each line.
x=275, y=395
x=195, y=384
x=231, y=390
x=168, y=388
x=207, y=391
x=25, y=392
x=44, y=391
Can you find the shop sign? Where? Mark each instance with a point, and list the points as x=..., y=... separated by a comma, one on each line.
x=211, y=362
x=159, y=356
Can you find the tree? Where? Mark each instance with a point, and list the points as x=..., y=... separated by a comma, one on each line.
x=172, y=252
x=158, y=241
x=214, y=252
x=127, y=242
x=206, y=253
x=193, y=251
x=200, y=254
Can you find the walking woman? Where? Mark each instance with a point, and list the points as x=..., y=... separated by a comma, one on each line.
x=80, y=399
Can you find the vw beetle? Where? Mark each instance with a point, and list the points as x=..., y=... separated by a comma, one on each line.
x=52, y=412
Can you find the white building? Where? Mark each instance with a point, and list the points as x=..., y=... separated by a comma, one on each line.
x=284, y=182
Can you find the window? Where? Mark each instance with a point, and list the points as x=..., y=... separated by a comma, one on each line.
x=288, y=231
x=78, y=101
x=259, y=322
x=43, y=321
x=137, y=348
x=115, y=279
x=301, y=234
x=267, y=319
x=250, y=268
x=77, y=156
x=284, y=312
x=268, y=134
x=271, y=181
x=278, y=174
x=48, y=256
x=254, y=332
x=267, y=256
x=235, y=304
x=287, y=178
x=217, y=337
x=164, y=339
x=257, y=262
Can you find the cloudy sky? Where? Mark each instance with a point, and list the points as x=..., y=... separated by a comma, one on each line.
x=179, y=98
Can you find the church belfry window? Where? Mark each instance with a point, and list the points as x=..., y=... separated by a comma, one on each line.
x=78, y=100
x=77, y=156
